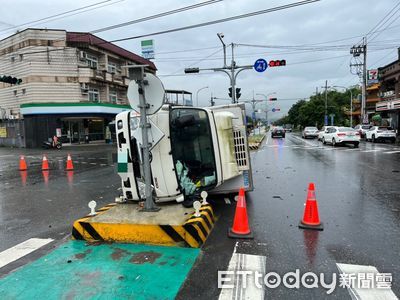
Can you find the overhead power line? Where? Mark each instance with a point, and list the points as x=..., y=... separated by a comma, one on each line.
x=383, y=21
x=163, y=14
x=260, y=12
x=92, y=6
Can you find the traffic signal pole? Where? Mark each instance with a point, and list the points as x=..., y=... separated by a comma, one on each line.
x=232, y=71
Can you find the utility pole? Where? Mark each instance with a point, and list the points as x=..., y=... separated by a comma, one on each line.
x=361, y=70
x=364, y=116
x=326, y=87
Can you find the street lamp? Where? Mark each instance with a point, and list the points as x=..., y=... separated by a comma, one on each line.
x=197, y=95
x=266, y=98
x=351, y=102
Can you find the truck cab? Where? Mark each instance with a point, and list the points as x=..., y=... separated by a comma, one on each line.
x=193, y=150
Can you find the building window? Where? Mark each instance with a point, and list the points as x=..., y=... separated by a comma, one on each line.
x=15, y=93
x=94, y=95
x=113, y=97
x=91, y=61
x=23, y=91
x=112, y=68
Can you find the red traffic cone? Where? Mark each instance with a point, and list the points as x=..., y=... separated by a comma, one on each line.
x=240, y=228
x=22, y=164
x=311, y=217
x=45, y=163
x=70, y=166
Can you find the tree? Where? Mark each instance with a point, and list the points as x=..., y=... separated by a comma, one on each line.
x=312, y=112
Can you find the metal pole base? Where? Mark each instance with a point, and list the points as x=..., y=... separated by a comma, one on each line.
x=151, y=209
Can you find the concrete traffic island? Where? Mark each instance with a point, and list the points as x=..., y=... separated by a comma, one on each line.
x=173, y=225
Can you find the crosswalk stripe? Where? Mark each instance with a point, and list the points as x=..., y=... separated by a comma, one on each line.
x=241, y=289
x=22, y=249
x=360, y=293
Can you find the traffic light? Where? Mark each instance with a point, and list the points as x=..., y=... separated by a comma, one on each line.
x=277, y=63
x=192, y=70
x=230, y=92
x=238, y=94
x=10, y=80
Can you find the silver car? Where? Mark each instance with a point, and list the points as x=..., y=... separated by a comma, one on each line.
x=310, y=132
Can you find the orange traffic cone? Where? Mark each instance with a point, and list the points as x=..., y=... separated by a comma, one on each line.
x=70, y=166
x=22, y=164
x=45, y=163
x=311, y=217
x=46, y=177
x=240, y=228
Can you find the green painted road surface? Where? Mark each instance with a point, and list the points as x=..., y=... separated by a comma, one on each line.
x=76, y=270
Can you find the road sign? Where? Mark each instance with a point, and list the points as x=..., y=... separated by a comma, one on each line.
x=154, y=134
x=154, y=93
x=372, y=76
x=260, y=65
x=147, y=49
x=365, y=119
x=275, y=109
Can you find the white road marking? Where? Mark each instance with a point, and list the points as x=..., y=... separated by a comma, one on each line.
x=358, y=293
x=373, y=150
x=6, y=155
x=248, y=289
x=391, y=152
x=22, y=249
x=305, y=141
x=93, y=163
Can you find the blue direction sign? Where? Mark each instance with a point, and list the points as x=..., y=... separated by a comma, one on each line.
x=273, y=110
x=260, y=65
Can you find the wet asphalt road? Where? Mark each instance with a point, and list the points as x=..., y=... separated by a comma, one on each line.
x=358, y=194
x=37, y=205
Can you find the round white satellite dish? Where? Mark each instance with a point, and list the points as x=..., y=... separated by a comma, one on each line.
x=154, y=93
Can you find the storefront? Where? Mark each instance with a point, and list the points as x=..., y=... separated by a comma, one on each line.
x=390, y=110
x=73, y=123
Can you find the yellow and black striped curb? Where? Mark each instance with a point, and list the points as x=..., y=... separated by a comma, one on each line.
x=192, y=233
x=253, y=146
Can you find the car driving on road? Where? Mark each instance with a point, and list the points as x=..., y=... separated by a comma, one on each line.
x=277, y=131
x=310, y=132
x=380, y=133
x=341, y=135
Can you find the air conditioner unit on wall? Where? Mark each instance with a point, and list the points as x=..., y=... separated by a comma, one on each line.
x=82, y=55
x=84, y=88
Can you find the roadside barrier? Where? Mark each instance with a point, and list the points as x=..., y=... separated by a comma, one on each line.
x=240, y=228
x=311, y=217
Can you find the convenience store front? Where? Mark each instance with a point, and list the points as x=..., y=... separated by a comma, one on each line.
x=72, y=123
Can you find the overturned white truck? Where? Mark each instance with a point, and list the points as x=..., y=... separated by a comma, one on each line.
x=193, y=150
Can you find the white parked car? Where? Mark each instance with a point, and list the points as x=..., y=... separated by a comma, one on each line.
x=341, y=135
x=311, y=132
x=362, y=129
x=322, y=131
x=381, y=133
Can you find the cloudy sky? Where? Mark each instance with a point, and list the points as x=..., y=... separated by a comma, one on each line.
x=314, y=39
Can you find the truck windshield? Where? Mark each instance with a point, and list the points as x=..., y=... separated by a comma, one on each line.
x=192, y=149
